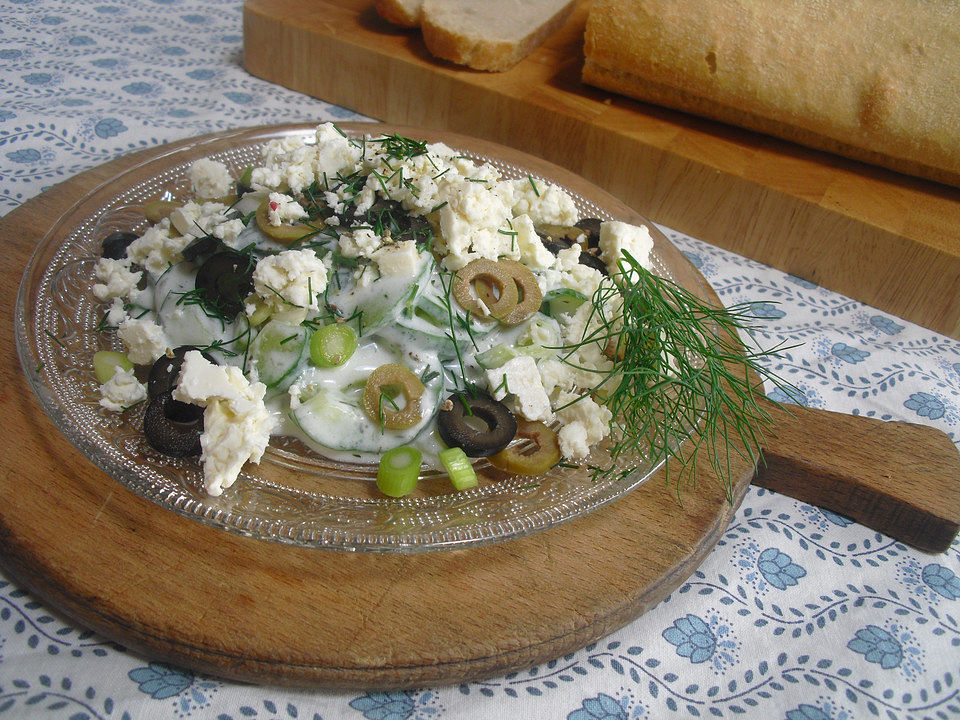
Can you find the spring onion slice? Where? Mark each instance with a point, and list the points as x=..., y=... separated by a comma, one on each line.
x=398, y=471
x=332, y=345
x=107, y=362
x=458, y=467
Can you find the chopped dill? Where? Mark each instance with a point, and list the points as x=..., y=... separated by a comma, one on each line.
x=54, y=338
x=678, y=364
x=534, y=186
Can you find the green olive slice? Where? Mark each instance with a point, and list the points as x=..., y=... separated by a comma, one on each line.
x=283, y=234
x=499, y=288
x=530, y=298
x=157, y=210
x=383, y=385
x=539, y=453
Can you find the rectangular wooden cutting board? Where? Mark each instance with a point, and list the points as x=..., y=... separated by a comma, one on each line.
x=886, y=239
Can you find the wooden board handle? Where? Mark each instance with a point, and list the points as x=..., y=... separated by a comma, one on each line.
x=899, y=478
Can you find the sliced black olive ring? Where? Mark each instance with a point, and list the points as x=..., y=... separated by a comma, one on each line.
x=561, y=237
x=486, y=429
x=206, y=245
x=114, y=245
x=224, y=281
x=165, y=371
x=172, y=427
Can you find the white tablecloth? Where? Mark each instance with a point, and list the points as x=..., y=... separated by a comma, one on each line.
x=797, y=614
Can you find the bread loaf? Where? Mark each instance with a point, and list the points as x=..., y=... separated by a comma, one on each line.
x=875, y=80
x=489, y=35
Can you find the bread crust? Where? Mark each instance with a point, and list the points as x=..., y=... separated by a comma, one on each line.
x=405, y=13
x=876, y=80
x=492, y=35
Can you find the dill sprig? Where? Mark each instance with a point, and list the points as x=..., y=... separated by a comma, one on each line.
x=678, y=364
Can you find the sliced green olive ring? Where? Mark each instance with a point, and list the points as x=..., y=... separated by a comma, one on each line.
x=283, y=234
x=378, y=397
x=157, y=210
x=528, y=291
x=521, y=458
x=498, y=285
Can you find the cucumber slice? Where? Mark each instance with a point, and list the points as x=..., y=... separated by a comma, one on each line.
x=562, y=301
x=278, y=352
x=333, y=417
x=381, y=302
x=183, y=317
x=498, y=355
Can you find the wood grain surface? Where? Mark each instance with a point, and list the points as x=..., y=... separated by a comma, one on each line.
x=886, y=239
x=215, y=602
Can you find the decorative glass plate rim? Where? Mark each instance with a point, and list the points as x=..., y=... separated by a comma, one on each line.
x=472, y=518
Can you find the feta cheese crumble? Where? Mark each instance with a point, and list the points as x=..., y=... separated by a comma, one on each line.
x=291, y=283
x=520, y=378
x=236, y=422
x=122, y=391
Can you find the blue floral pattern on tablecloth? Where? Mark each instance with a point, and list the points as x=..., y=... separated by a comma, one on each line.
x=798, y=614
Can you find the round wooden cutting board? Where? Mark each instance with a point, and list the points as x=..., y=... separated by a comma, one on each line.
x=252, y=610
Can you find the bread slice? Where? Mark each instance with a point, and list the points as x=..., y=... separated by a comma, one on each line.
x=400, y=12
x=482, y=34
x=875, y=80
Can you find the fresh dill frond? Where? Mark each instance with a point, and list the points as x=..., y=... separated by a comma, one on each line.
x=680, y=372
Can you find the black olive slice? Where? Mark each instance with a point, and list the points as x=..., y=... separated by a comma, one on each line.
x=205, y=245
x=114, y=245
x=172, y=427
x=555, y=246
x=591, y=228
x=487, y=429
x=586, y=256
x=224, y=281
x=590, y=260
x=165, y=371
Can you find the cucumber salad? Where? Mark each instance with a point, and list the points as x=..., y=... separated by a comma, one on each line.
x=382, y=299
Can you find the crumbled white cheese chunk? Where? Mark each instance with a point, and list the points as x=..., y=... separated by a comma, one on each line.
x=546, y=204
x=195, y=220
x=283, y=208
x=618, y=237
x=398, y=259
x=533, y=254
x=144, y=339
x=362, y=242
x=158, y=248
x=335, y=152
x=519, y=377
x=290, y=283
x=236, y=422
x=210, y=179
x=121, y=391
x=555, y=376
x=116, y=278
x=117, y=312
x=584, y=423
x=229, y=231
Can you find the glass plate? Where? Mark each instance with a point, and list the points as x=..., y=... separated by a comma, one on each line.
x=294, y=496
